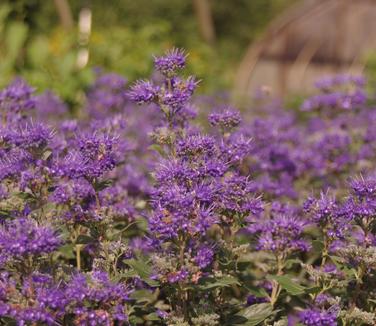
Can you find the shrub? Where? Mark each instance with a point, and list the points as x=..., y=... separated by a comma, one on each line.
x=137, y=215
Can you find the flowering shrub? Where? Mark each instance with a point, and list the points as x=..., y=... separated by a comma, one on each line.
x=137, y=215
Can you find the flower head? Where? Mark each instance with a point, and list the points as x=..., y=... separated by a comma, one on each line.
x=316, y=317
x=171, y=62
x=281, y=233
x=27, y=135
x=17, y=97
x=143, y=92
x=227, y=119
x=23, y=236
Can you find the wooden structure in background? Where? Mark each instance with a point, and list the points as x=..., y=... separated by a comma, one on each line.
x=65, y=14
x=205, y=20
x=312, y=39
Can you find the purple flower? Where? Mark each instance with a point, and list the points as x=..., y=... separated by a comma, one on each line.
x=107, y=95
x=22, y=237
x=236, y=196
x=165, y=224
x=13, y=162
x=322, y=299
x=143, y=92
x=329, y=82
x=252, y=299
x=49, y=105
x=162, y=314
x=178, y=276
x=171, y=62
x=69, y=125
x=236, y=148
x=281, y=233
x=95, y=156
x=178, y=94
x=118, y=202
x=364, y=187
x=315, y=317
x=328, y=215
x=110, y=81
x=195, y=145
x=74, y=191
x=17, y=97
x=204, y=257
x=88, y=300
x=95, y=297
x=341, y=91
x=227, y=119
x=333, y=270
x=27, y=135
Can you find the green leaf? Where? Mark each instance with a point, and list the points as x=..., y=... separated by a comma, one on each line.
x=318, y=246
x=101, y=185
x=235, y=320
x=135, y=320
x=338, y=261
x=143, y=296
x=37, y=51
x=5, y=10
x=14, y=39
x=258, y=292
x=84, y=239
x=118, y=277
x=67, y=66
x=152, y=317
x=67, y=251
x=290, y=262
x=256, y=313
x=142, y=224
x=143, y=270
x=158, y=149
x=286, y=283
x=24, y=195
x=5, y=213
x=151, y=282
x=313, y=290
x=224, y=281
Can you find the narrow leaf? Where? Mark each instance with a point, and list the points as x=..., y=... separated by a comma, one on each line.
x=224, y=281
x=286, y=283
x=256, y=313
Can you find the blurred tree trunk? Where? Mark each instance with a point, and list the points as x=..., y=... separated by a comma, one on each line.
x=63, y=8
x=205, y=20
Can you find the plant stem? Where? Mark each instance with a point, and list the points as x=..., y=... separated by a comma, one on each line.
x=78, y=256
x=276, y=288
x=358, y=286
x=324, y=252
x=182, y=292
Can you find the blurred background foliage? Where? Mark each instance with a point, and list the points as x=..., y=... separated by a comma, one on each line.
x=37, y=44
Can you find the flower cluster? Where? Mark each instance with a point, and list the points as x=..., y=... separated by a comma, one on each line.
x=339, y=92
x=22, y=238
x=116, y=214
x=313, y=317
x=17, y=98
x=173, y=94
x=81, y=301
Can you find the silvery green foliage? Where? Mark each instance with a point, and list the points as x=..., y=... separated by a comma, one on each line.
x=206, y=320
x=358, y=316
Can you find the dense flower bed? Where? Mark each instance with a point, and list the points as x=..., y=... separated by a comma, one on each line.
x=139, y=215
